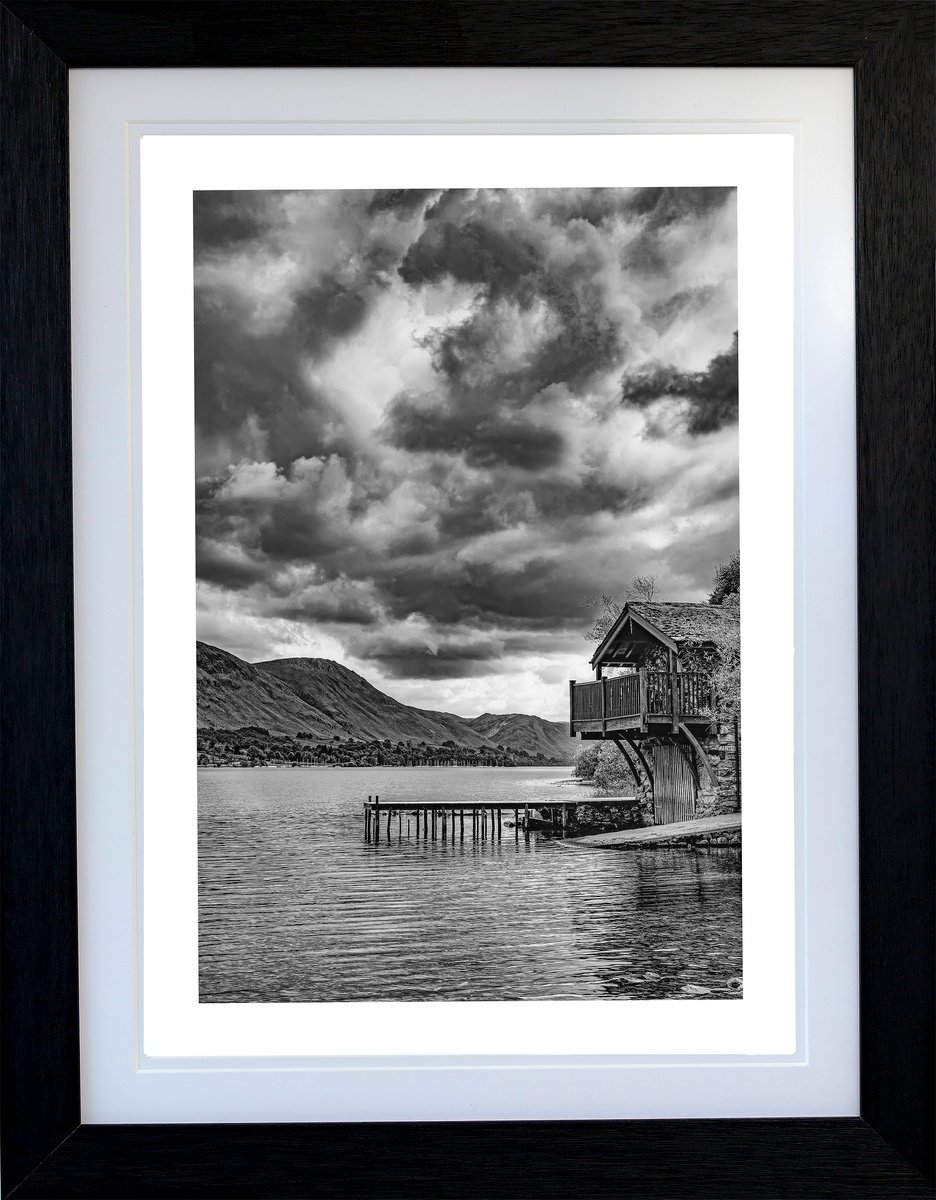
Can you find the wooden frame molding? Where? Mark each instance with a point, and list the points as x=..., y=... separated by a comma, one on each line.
x=888, y=1151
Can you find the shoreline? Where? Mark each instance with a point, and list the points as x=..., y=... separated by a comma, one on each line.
x=383, y=767
x=703, y=831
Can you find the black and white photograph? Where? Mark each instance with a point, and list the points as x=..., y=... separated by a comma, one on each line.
x=468, y=595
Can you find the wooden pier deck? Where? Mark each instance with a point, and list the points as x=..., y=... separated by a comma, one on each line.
x=446, y=819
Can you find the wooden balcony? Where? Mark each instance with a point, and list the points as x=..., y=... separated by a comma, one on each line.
x=644, y=701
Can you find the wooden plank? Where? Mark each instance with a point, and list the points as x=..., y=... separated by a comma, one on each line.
x=683, y=728
x=618, y=723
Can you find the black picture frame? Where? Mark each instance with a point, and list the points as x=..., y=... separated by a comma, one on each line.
x=888, y=1151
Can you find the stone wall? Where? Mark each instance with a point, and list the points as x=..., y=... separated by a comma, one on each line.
x=719, y=746
x=583, y=818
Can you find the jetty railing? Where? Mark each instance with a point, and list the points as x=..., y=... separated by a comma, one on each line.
x=481, y=820
x=627, y=701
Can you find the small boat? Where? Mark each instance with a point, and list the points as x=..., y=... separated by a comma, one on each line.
x=537, y=819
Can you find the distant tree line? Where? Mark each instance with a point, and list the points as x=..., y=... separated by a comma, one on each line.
x=254, y=746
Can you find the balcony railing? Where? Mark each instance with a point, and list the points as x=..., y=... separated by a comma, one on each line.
x=639, y=699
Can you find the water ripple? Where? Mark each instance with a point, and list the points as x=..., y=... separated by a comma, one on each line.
x=295, y=906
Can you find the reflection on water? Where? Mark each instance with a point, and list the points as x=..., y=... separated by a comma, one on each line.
x=294, y=905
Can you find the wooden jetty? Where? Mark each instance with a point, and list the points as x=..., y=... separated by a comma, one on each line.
x=448, y=820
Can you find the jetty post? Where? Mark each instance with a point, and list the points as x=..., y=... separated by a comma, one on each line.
x=448, y=819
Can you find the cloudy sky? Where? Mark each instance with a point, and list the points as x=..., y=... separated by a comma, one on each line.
x=427, y=423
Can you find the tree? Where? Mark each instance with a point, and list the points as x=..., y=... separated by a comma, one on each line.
x=641, y=588
x=727, y=580
x=586, y=759
x=612, y=774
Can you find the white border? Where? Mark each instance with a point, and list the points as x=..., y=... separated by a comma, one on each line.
x=187, y=94
x=172, y=167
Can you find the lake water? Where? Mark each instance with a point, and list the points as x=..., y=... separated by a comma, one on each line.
x=295, y=905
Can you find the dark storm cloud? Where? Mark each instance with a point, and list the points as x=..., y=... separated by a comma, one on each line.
x=404, y=201
x=472, y=252
x=711, y=395
x=251, y=369
x=663, y=313
x=216, y=564
x=666, y=206
x=587, y=496
x=242, y=381
x=511, y=267
x=583, y=343
x=412, y=430
x=401, y=656
x=594, y=205
x=223, y=220
x=479, y=596
x=337, y=608
x=328, y=311
x=487, y=442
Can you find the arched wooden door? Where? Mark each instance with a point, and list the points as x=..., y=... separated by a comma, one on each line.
x=674, y=785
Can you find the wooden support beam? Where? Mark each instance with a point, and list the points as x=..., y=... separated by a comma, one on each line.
x=630, y=762
x=646, y=766
x=683, y=728
x=571, y=708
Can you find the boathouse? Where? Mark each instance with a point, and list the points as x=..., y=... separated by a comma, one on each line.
x=655, y=696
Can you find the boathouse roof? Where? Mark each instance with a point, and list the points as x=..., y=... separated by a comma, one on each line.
x=667, y=622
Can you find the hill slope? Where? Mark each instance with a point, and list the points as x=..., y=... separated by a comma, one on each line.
x=232, y=694
x=322, y=699
x=342, y=695
x=532, y=734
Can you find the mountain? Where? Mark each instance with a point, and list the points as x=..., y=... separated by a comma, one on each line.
x=532, y=734
x=322, y=699
x=232, y=694
x=342, y=695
